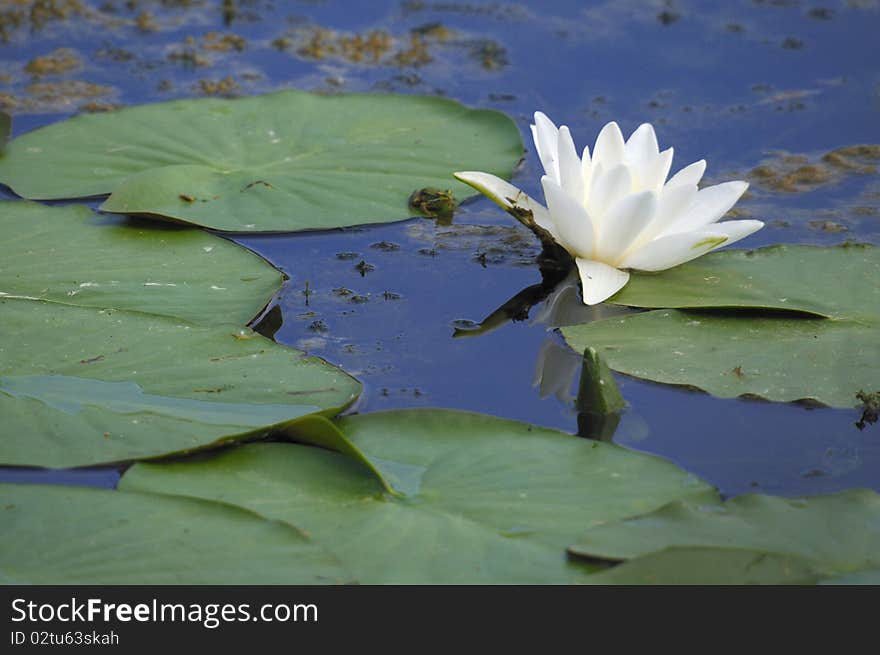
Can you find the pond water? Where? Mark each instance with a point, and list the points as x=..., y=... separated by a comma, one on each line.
x=770, y=85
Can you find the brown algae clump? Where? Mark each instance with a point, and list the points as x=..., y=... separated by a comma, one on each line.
x=791, y=173
x=65, y=95
x=32, y=15
x=57, y=62
x=226, y=87
x=377, y=47
x=223, y=42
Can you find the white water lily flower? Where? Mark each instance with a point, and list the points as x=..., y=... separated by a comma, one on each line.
x=616, y=210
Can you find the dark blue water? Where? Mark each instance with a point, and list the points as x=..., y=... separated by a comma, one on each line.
x=738, y=83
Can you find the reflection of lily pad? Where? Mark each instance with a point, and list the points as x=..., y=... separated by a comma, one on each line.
x=81, y=386
x=69, y=535
x=484, y=499
x=770, y=355
x=840, y=282
x=284, y=161
x=72, y=256
x=831, y=535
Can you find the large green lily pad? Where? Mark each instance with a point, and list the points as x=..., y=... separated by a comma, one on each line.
x=840, y=282
x=741, y=349
x=708, y=566
x=279, y=162
x=81, y=386
x=866, y=577
x=780, y=359
x=831, y=535
x=71, y=255
x=69, y=535
x=480, y=499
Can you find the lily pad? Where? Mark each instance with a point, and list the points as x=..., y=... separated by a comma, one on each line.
x=81, y=386
x=480, y=499
x=833, y=535
x=707, y=566
x=868, y=577
x=840, y=282
x=69, y=535
x=279, y=162
x=781, y=359
x=70, y=255
x=781, y=355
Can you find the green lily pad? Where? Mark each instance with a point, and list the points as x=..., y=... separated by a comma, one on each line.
x=840, y=282
x=279, y=162
x=82, y=386
x=69, y=535
x=833, y=535
x=480, y=499
x=707, y=566
x=781, y=359
x=868, y=577
x=71, y=255
x=745, y=350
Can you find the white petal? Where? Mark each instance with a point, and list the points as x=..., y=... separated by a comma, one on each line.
x=599, y=281
x=709, y=206
x=571, y=220
x=586, y=171
x=736, y=230
x=570, y=177
x=674, y=249
x=642, y=145
x=609, y=148
x=546, y=136
x=671, y=205
x=691, y=174
x=655, y=175
x=623, y=224
x=609, y=186
x=506, y=196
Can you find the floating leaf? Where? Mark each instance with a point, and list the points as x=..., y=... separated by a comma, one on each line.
x=770, y=355
x=868, y=577
x=84, y=386
x=840, y=282
x=780, y=359
x=707, y=566
x=71, y=255
x=284, y=161
x=833, y=535
x=70, y=535
x=483, y=499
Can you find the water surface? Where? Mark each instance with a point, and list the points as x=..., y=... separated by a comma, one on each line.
x=743, y=84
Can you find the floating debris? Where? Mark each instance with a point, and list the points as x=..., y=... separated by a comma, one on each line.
x=792, y=173
x=385, y=246
x=226, y=87
x=363, y=267
x=57, y=62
